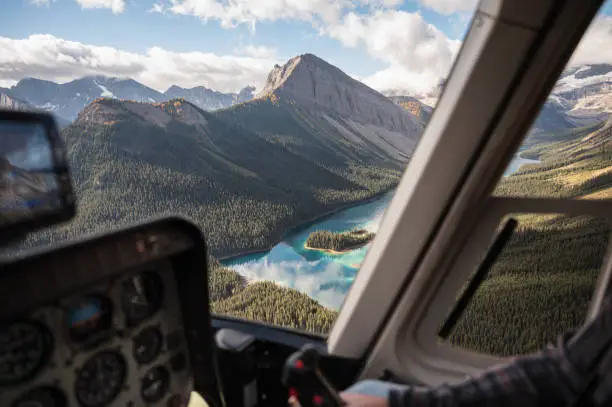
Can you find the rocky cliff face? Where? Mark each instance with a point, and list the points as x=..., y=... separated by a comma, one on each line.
x=317, y=86
x=10, y=103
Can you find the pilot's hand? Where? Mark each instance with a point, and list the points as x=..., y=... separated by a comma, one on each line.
x=353, y=400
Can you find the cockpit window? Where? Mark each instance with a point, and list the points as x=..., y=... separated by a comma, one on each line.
x=282, y=131
x=544, y=278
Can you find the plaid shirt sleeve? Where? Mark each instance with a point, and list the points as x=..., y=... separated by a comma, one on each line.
x=546, y=378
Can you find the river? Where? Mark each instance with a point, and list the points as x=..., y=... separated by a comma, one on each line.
x=325, y=277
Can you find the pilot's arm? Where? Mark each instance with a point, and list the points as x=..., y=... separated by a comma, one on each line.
x=554, y=377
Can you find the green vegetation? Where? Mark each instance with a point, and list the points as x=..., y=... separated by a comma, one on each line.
x=265, y=301
x=242, y=184
x=539, y=142
x=244, y=189
x=543, y=280
x=519, y=314
x=252, y=172
x=338, y=242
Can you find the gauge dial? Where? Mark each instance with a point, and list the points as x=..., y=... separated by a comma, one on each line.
x=89, y=318
x=42, y=397
x=155, y=384
x=147, y=345
x=141, y=297
x=25, y=347
x=100, y=379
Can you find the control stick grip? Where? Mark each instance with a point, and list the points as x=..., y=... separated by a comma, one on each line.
x=306, y=382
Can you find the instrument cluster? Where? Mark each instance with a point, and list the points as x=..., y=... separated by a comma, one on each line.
x=120, y=343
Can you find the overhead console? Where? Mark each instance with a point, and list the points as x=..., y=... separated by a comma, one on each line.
x=117, y=320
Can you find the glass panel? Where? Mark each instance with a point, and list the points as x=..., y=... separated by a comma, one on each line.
x=539, y=287
x=542, y=283
x=568, y=151
x=286, y=160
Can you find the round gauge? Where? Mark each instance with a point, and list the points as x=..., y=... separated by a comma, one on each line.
x=100, y=379
x=155, y=384
x=147, y=345
x=42, y=397
x=141, y=297
x=25, y=346
x=89, y=318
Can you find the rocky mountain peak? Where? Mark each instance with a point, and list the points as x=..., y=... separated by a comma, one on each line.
x=298, y=69
x=315, y=85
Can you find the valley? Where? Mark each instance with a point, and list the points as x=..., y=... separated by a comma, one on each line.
x=316, y=150
x=550, y=259
x=246, y=174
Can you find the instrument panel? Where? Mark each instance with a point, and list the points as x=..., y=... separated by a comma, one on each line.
x=120, y=342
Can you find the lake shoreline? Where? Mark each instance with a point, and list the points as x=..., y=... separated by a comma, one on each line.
x=305, y=224
x=332, y=251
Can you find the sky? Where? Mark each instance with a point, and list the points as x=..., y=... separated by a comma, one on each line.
x=406, y=46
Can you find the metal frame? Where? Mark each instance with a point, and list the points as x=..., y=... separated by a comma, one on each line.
x=509, y=62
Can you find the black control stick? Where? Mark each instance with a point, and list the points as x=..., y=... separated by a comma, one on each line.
x=306, y=382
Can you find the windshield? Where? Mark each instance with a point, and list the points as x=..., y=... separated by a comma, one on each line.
x=280, y=128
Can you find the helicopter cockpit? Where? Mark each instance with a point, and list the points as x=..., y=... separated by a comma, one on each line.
x=124, y=318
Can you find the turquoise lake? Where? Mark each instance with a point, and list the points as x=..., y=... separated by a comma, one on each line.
x=325, y=277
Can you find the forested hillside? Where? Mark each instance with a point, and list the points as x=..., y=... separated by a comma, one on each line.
x=133, y=161
x=245, y=175
x=543, y=280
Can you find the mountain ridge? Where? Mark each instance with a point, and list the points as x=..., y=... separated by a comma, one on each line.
x=68, y=99
x=174, y=157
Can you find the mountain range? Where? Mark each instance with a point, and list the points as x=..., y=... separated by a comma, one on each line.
x=66, y=100
x=582, y=96
x=314, y=140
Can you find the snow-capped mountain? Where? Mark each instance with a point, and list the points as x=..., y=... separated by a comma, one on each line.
x=581, y=96
x=209, y=99
x=66, y=100
x=585, y=92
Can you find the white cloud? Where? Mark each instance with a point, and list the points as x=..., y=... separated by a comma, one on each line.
x=257, y=51
x=418, y=54
x=595, y=47
x=56, y=59
x=450, y=6
x=40, y=2
x=157, y=8
x=233, y=12
x=299, y=275
x=117, y=6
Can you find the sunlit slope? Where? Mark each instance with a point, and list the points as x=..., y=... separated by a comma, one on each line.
x=579, y=165
x=543, y=280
